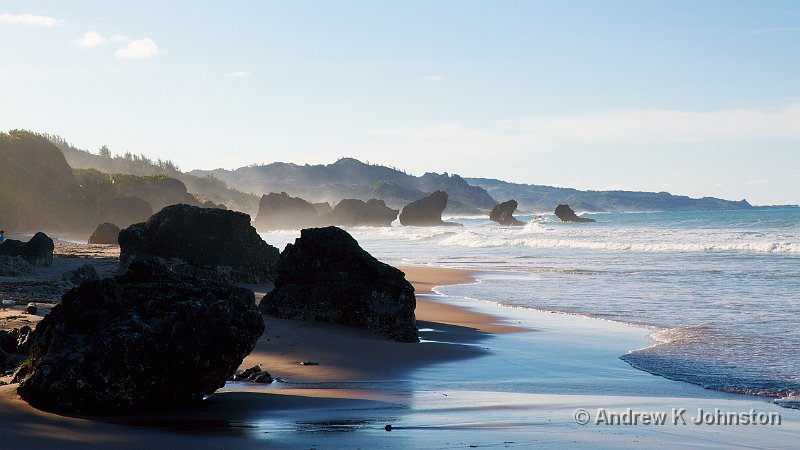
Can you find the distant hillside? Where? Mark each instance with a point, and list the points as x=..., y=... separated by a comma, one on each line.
x=203, y=187
x=536, y=198
x=37, y=188
x=350, y=178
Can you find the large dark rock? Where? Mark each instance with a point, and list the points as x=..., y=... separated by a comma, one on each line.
x=14, y=266
x=426, y=211
x=326, y=276
x=126, y=211
x=503, y=213
x=37, y=252
x=105, y=233
x=139, y=340
x=352, y=213
x=566, y=214
x=282, y=212
x=208, y=238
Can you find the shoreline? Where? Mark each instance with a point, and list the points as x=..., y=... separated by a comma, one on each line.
x=481, y=376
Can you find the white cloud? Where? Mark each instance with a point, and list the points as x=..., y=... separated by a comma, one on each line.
x=89, y=39
x=240, y=74
x=433, y=78
x=138, y=49
x=30, y=20
x=120, y=38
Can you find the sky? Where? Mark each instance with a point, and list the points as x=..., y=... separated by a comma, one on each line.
x=693, y=98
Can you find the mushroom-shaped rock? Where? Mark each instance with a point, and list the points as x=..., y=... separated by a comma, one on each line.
x=566, y=214
x=503, y=213
x=426, y=211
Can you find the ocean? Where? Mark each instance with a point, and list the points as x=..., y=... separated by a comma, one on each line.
x=720, y=290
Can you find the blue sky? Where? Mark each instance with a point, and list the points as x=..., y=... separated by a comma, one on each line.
x=695, y=98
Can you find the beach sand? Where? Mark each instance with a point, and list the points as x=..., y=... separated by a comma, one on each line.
x=477, y=379
x=344, y=354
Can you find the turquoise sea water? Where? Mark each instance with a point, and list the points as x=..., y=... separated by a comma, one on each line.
x=720, y=289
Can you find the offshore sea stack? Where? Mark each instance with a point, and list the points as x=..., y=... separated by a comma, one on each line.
x=503, y=213
x=37, y=252
x=282, y=212
x=139, y=340
x=566, y=214
x=426, y=212
x=221, y=244
x=105, y=233
x=351, y=213
x=326, y=276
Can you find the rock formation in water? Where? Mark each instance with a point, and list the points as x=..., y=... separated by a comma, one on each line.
x=566, y=214
x=282, y=212
x=218, y=241
x=139, y=340
x=352, y=213
x=37, y=252
x=503, y=214
x=105, y=233
x=326, y=276
x=126, y=211
x=426, y=212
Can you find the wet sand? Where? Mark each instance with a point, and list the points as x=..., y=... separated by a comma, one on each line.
x=478, y=379
x=344, y=354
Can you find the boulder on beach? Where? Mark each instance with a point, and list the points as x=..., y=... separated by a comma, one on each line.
x=142, y=339
x=105, y=233
x=14, y=266
x=353, y=213
x=426, y=212
x=216, y=240
x=282, y=212
x=326, y=276
x=82, y=274
x=503, y=213
x=566, y=214
x=126, y=211
x=37, y=252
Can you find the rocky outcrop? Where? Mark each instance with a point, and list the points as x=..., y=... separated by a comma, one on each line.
x=14, y=266
x=82, y=274
x=126, y=211
x=566, y=214
x=139, y=340
x=503, y=213
x=352, y=213
x=426, y=212
x=37, y=252
x=105, y=233
x=282, y=212
x=215, y=240
x=326, y=276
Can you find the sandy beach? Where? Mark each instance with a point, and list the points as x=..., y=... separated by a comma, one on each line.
x=478, y=378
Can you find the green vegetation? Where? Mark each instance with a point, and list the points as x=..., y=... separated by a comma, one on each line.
x=203, y=188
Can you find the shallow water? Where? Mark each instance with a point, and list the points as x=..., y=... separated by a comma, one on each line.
x=721, y=288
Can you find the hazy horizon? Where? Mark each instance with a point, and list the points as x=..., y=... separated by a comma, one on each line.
x=698, y=100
